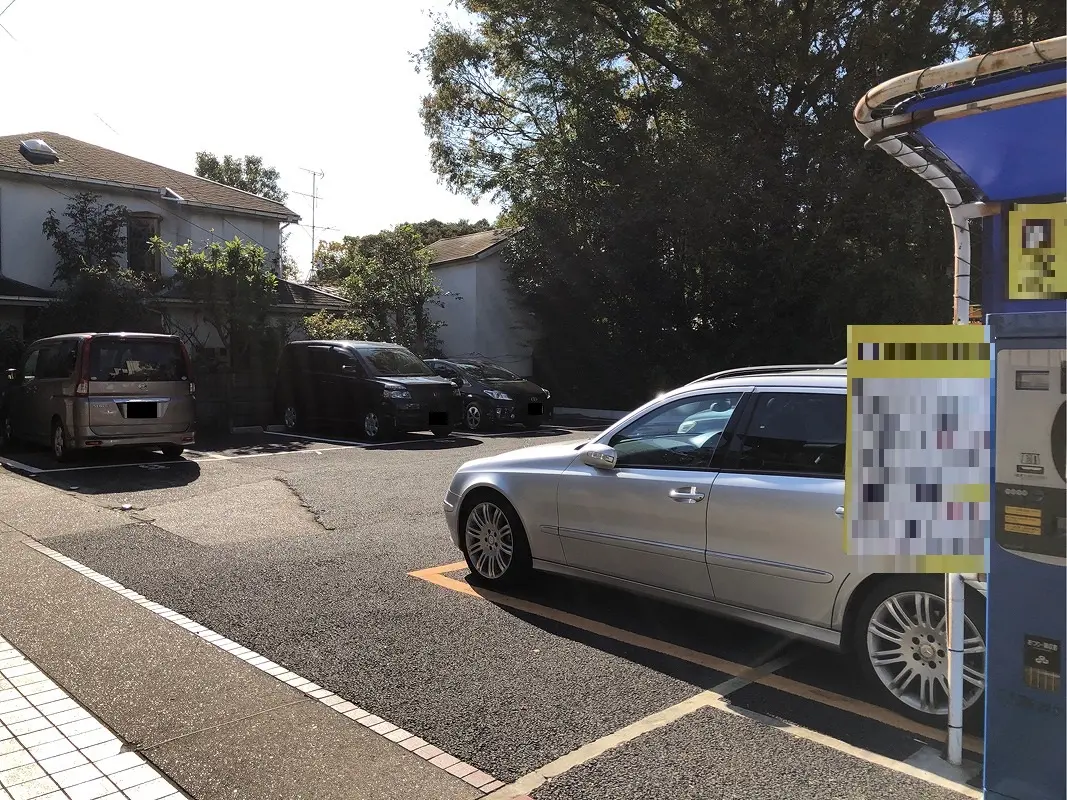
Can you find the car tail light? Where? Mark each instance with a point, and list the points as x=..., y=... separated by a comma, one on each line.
x=82, y=387
x=188, y=368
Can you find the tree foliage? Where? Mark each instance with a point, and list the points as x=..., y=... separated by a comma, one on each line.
x=388, y=280
x=96, y=291
x=230, y=285
x=693, y=192
x=93, y=235
x=331, y=325
x=248, y=174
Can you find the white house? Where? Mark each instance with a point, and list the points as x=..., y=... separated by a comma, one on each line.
x=178, y=207
x=481, y=316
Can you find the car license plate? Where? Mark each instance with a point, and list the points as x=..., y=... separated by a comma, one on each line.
x=536, y=409
x=438, y=418
x=141, y=411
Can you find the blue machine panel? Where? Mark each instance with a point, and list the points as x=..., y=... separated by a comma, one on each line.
x=1026, y=711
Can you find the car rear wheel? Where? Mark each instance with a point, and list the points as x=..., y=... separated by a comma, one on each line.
x=60, y=443
x=494, y=542
x=441, y=431
x=474, y=417
x=172, y=450
x=6, y=435
x=532, y=426
x=900, y=638
x=290, y=418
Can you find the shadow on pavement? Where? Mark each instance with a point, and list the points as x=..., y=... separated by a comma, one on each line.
x=123, y=478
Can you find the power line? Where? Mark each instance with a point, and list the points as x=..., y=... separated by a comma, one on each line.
x=7, y=7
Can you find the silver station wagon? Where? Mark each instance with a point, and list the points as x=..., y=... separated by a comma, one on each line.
x=726, y=494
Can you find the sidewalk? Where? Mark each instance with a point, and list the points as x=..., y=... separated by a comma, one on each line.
x=217, y=720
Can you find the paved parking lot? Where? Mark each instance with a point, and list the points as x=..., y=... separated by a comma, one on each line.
x=330, y=557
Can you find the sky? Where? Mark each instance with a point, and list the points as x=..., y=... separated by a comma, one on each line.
x=324, y=85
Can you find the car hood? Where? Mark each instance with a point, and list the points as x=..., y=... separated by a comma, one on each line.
x=544, y=456
x=514, y=387
x=415, y=380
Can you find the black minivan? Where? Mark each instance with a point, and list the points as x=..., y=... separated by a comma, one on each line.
x=379, y=387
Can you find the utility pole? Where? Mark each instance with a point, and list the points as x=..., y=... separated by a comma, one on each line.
x=315, y=175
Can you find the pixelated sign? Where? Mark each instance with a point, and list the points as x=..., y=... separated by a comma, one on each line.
x=1037, y=251
x=918, y=461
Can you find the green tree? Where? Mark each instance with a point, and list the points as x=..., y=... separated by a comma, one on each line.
x=388, y=280
x=688, y=175
x=248, y=174
x=96, y=292
x=231, y=286
x=93, y=235
x=331, y=325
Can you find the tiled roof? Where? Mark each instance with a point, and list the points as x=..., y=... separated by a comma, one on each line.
x=13, y=288
x=288, y=294
x=462, y=248
x=299, y=294
x=81, y=160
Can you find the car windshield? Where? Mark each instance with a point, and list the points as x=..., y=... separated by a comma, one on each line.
x=488, y=372
x=136, y=360
x=395, y=362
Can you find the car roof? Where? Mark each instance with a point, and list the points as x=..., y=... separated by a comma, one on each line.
x=122, y=334
x=818, y=376
x=345, y=343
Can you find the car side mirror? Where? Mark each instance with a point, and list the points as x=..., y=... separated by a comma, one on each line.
x=351, y=369
x=457, y=382
x=599, y=456
x=12, y=374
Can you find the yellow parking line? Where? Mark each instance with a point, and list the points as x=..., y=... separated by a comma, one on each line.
x=438, y=577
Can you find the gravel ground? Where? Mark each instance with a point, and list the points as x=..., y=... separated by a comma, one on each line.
x=698, y=758
x=322, y=587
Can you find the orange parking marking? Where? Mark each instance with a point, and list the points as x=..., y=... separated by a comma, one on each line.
x=438, y=577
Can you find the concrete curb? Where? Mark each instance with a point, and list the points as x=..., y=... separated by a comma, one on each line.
x=591, y=413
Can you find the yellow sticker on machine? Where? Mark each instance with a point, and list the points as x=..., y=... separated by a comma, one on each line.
x=1023, y=512
x=1028, y=529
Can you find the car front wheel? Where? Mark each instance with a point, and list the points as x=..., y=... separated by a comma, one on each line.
x=474, y=417
x=376, y=426
x=494, y=542
x=900, y=637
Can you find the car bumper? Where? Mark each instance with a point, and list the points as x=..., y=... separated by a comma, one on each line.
x=451, y=510
x=422, y=418
x=88, y=440
x=514, y=413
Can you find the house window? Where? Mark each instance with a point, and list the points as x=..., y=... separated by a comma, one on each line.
x=140, y=228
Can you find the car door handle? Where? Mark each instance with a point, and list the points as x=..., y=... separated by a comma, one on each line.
x=840, y=512
x=687, y=494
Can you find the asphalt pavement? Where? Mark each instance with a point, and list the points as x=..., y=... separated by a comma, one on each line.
x=301, y=549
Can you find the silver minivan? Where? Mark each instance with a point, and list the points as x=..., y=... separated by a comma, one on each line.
x=94, y=390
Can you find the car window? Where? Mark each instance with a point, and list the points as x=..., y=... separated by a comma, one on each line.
x=395, y=362
x=136, y=360
x=29, y=365
x=58, y=360
x=344, y=359
x=680, y=434
x=795, y=433
x=323, y=360
x=443, y=370
x=484, y=371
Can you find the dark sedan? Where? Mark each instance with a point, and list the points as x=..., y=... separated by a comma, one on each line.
x=493, y=395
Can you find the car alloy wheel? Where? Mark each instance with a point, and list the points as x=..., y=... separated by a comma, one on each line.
x=372, y=425
x=490, y=541
x=907, y=650
x=290, y=418
x=472, y=417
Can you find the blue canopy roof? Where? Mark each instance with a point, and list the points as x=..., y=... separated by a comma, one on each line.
x=1013, y=153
